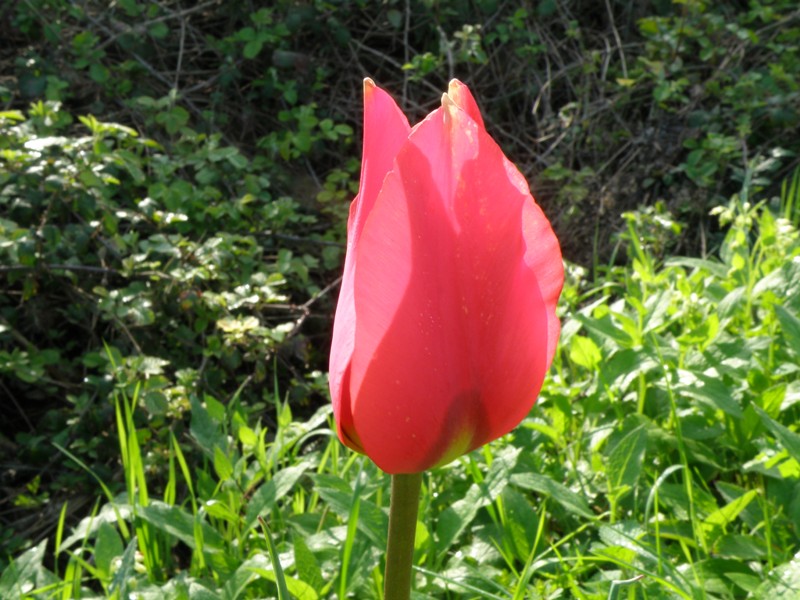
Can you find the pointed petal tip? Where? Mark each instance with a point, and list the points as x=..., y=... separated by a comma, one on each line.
x=450, y=109
x=454, y=85
x=459, y=93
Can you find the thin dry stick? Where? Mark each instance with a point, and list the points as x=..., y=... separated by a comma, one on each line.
x=616, y=37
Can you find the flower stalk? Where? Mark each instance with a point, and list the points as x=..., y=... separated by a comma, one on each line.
x=403, y=509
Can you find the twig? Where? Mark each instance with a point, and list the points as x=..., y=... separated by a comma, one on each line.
x=18, y=407
x=180, y=54
x=616, y=37
x=18, y=336
x=104, y=271
x=394, y=63
x=306, y=307
x=142, y=27
x=296, y=238
x=451, y=66
x=85, y=268
x=307, y=304
x=157, y=75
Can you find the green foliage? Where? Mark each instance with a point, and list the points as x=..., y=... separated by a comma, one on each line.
x=127, y=264
x=662, y=460
x=609, y=108
x=174, y=182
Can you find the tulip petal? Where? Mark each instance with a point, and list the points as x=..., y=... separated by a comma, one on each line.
x=385, y=130
x=453, y=327
x=543, y=256
x=544, y=253
x=460, y=94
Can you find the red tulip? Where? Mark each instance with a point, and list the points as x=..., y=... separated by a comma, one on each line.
x=446, y=321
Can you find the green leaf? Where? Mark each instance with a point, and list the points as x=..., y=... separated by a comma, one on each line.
x=607, y=328
x=204, y=429
x=24, y=573
x=455, y=519
x=125, y=571
x=181, y=525
x=626, y=535
x=158, y=30
x=713, y=267
x=790, y=325
x=584, y=352
x=562, y=495
x=625, y=459
x=740, y=547
x=715, y=571
x=247, y=436
x=252, y=48
x=337, y=493
x=787, y=438
x=307, y=565
x=521, y=522
x=299, y=590
x=782, y=582
x=277, y=569
x=711, y=392
x=107, y=547
x=726, y=514
x=222, y=464
x=264, y=500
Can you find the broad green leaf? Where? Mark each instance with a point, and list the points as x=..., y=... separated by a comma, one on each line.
x=584, y=352
x=263, y=501
x=625, y=458
x=247, y=436
x=772, y=399
x=205, y=429
x=726, y=514
x=710, y=392
x=89, y=526
x=786, y=437
x=457, y=517
x=627, y=535
x=521, y=522
x=107, y=547
x=740, y=547
x=24, y=573
x=182, y=588
x=718, y=571
x=307, y=565
x=561, y=494
x=714, y=267
x=222, y=464
x=607, y=328
x=782, y=583
x=180, y=524
x=674, y=496
x=790, y=326
x=220, y=510
x=236, y=584
x=337, y=493
x=656, y=310
x=703, y=334
x=125, y=571
x=252, y=48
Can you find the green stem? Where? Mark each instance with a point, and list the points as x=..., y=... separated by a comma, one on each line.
x=403, y=509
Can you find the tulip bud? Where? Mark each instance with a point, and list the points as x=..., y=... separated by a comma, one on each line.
x=446, y=324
